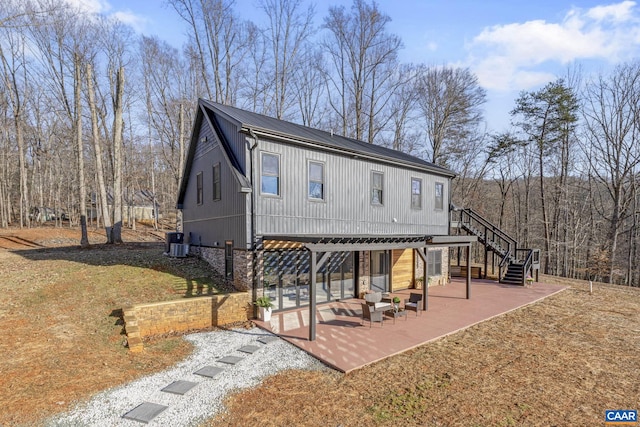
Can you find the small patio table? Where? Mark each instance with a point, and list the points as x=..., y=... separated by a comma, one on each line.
x=396, y=314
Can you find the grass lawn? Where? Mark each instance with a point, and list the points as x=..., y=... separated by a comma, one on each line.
x=562, y=361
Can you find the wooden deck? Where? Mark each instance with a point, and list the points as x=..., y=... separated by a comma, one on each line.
x=345, y=343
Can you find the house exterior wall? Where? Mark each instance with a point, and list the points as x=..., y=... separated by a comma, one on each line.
x=440, y=279
x=242, y=271
x=214, y=221
x=346, y=208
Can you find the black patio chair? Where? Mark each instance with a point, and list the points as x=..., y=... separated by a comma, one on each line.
x=413, y=303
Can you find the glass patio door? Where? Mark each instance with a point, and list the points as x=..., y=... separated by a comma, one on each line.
x=379, y=267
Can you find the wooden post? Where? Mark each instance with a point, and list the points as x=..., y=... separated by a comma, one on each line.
x=469, y=272
x=312, y=297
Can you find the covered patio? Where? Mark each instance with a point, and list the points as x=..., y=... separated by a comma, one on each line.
x=346, y=343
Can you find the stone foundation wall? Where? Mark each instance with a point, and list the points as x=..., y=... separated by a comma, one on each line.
x=242, y=274
x=143, y=320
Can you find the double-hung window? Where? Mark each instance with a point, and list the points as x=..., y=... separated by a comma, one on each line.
x=270, y=174
x=416, y=193
x=316, y=181
x=199, y=189
x=439, y=200
x=434, y=259
x=217, y=189
x=377, y=188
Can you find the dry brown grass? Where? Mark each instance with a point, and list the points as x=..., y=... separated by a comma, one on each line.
x=59, y=313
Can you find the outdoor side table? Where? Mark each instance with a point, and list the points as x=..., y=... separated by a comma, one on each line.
x=396, y=314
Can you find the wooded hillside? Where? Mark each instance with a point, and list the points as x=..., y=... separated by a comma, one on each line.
x=92, y=115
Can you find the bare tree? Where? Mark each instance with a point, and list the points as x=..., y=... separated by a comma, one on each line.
x=613, y=149
x=451, y=100
x=363, y=55
x=288, y=30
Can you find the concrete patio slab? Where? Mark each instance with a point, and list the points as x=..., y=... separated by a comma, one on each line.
x=344, y=343
x=145, y=412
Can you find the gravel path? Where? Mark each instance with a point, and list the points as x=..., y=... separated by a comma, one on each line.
x=205, y=399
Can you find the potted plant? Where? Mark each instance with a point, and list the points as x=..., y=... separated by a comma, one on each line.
x=264, y=308
x=529, y=280
x=396, y=304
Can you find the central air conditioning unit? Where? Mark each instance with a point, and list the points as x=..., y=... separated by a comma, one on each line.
x=179, y=250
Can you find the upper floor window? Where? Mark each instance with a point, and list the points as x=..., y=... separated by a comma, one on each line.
x=270, y=174
x=377, y=188
x=416, y=193
x=439, y=201
x=217, y=189
x=316, y=180
x=199, y=188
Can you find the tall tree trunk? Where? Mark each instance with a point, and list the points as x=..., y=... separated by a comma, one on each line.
x=117, y=154
x=103, y=205
x=84, y=238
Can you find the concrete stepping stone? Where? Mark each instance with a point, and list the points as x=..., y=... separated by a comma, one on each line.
x=208, y=371
x=179, y=387
x=230, y=360
x=249, y=349
x=268, y=339
x=145, y=412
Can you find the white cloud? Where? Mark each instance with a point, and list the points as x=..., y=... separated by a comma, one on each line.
x=127, y=17
x=90, y=6
x=516, y=56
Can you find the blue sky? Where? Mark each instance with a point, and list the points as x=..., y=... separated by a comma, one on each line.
x=510, y=45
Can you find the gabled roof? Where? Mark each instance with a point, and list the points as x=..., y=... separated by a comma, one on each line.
x=261, y=124
x=292, y=133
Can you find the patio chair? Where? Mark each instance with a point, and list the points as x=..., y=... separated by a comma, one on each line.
x=374, y=300
x=413, y=303
x=372, y=315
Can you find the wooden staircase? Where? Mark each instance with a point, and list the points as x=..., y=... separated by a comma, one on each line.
x=516, y=264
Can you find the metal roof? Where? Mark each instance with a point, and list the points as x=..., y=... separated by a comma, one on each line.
x=259, y=123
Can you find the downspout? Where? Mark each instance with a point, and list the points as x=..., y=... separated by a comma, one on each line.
x=254, y=264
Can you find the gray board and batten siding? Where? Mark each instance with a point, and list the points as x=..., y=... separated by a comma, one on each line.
x=346, y=208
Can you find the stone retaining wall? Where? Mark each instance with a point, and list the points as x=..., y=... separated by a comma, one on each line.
x=143, y=320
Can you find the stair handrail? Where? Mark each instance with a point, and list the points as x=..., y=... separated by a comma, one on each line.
x=505, y=259
x=526, y=265
x=479, y=218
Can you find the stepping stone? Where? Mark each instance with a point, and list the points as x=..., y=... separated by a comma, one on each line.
x=249, y=349
x=208, y=371
x=230, y=360
x=144, y=412
x=179, y=387
x=268, y=339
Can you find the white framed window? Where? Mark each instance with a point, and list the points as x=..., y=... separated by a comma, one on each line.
x=439, y=196
x=377, y=188
x=270, y=174
x=416, y=193
x=434, y=259
x=316, y=180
